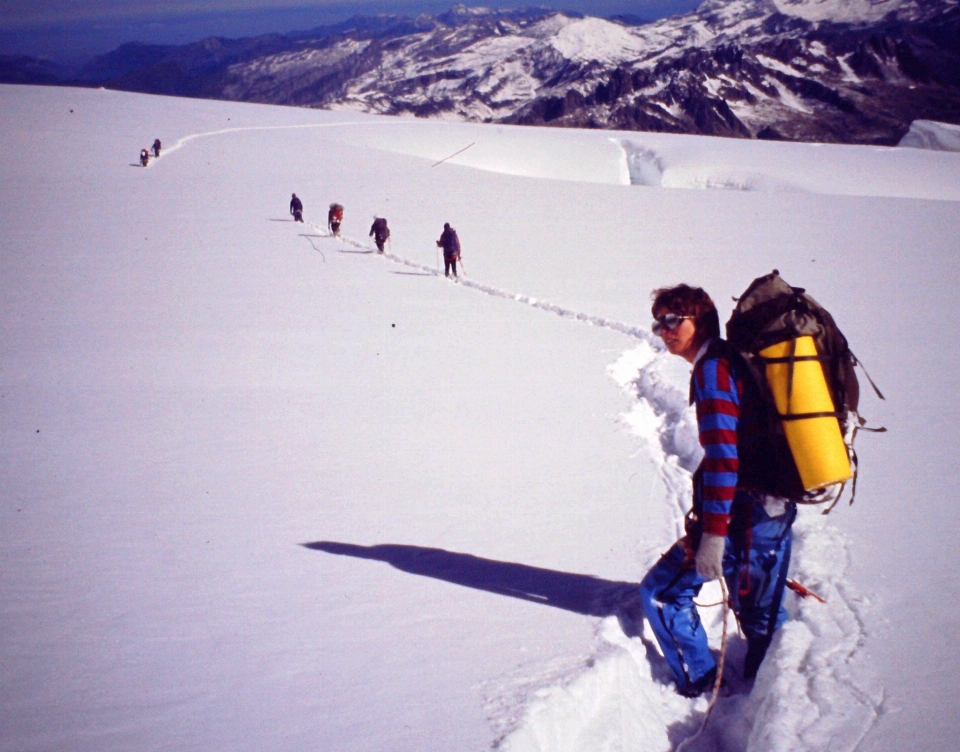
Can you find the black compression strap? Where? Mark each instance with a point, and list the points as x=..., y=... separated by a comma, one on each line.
x=795, y=358
x=803, y=416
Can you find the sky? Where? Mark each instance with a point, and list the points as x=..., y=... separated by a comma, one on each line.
x=73, y=32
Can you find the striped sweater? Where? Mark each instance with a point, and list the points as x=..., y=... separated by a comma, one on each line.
x=718, y=393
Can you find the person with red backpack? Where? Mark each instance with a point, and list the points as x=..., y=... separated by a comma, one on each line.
x=451, y=249
x=334, y=218
x=740, y=528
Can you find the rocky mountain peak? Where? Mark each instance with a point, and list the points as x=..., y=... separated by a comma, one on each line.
x=826, y=70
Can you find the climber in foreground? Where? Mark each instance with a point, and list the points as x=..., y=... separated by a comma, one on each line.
x=739, y=527
x=296, y=208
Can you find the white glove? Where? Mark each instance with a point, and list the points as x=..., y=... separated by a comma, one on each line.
x=710, y=556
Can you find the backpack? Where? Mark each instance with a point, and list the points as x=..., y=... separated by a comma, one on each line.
x=336, y=212
x=453, y=243
x=771, y=312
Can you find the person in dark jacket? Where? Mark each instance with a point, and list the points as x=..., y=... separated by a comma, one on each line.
x=380, y=232
x=451, y=249
x=144, y=157
x=738, y=529
x=296, y=208
x=156, y=147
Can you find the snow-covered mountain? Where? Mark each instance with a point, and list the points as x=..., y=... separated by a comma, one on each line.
x=823, y=70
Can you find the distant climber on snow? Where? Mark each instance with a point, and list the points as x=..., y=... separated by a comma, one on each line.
x=144, y=157
x=156, y=147
x=296, y=208
x=334, y=218
x=380, y=232
x=451, y=249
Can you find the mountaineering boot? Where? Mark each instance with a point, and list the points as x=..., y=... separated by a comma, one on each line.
x=703, y=684
x=756, y=650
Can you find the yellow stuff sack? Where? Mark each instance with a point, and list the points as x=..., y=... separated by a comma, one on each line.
x=807, y=412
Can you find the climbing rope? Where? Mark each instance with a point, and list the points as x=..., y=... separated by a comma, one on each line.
x=719, y=680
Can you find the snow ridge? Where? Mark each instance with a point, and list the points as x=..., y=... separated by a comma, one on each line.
x=929, y=134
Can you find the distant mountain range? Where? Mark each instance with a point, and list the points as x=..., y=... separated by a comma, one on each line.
x=851, y=71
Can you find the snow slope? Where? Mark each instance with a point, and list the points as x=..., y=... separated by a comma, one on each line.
x=264, y=489
x=850, y=11
x=929, y=134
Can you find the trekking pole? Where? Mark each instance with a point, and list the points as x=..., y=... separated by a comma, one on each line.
x=720, y=665
x=462, y=268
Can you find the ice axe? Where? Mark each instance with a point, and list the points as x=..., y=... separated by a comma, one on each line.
x=803, y=591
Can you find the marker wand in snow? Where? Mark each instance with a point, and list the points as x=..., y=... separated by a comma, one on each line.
x=454, y=154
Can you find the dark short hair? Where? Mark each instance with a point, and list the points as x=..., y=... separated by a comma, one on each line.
x=685, y=300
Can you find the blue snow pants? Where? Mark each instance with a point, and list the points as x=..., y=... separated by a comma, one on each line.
x=755, y=567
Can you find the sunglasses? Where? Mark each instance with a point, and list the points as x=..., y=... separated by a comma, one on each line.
x=668, y=321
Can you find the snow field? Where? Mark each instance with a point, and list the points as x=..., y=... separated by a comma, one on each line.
x=279, y=481
x=842, y=10
x=591, y=39
x=195, y=376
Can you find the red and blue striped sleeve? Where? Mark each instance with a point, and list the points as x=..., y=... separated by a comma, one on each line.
x=717, y=393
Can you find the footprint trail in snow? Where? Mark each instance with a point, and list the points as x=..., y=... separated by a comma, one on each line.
x=617, y=326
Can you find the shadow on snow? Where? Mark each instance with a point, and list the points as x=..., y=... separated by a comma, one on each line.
x=580, y=593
